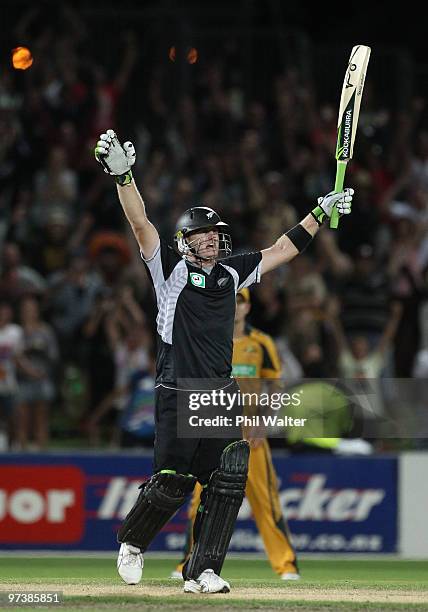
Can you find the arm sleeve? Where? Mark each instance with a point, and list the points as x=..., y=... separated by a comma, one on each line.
x=247, y=267
x=161, y=264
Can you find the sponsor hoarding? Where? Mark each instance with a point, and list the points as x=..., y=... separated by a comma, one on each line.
x=76, y=502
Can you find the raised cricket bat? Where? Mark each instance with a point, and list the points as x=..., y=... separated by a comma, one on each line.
x=349, y=111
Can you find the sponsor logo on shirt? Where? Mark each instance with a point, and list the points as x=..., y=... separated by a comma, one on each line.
x=197, y=280
x=244, y=370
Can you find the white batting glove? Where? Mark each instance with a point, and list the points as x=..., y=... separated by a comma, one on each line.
x=114, y=158
x=342, y=200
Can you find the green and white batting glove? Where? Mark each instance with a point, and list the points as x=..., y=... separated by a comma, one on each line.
x=116, y=159
x=342, y=200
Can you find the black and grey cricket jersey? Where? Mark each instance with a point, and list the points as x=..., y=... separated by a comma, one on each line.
x=196, y=312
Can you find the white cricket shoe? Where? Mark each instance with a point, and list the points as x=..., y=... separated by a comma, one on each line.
x=130, y=564
x=191, y=586
x=290, y=576
x=208, y=582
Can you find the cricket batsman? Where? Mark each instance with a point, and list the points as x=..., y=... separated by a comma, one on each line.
x=196, y=283
x=255, y=357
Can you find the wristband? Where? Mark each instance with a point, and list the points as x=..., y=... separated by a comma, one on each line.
x=319, y=215
x=299, y=237
x=124, y=179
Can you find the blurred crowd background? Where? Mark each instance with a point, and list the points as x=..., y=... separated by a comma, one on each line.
x=240, y=118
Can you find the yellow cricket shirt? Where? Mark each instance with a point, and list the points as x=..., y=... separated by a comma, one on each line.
x=255, y=356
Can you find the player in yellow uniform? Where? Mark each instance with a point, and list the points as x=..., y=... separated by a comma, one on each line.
x=255, y=356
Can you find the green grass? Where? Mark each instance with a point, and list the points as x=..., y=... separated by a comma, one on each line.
x=376, y=576
x=325, y=573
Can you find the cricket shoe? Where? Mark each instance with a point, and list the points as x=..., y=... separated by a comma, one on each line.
x=290, y=576
x=208, y=582
x=130, y=564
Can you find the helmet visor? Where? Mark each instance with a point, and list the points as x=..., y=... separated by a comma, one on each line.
x=206, y=244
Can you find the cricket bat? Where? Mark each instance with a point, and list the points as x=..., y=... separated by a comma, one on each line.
x=349, y=111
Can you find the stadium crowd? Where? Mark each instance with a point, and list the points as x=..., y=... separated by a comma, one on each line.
x=77, y=311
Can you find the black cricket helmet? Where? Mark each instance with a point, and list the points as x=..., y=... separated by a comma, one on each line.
x=196, y=219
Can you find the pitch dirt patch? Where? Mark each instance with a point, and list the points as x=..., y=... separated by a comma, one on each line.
x=238, y=593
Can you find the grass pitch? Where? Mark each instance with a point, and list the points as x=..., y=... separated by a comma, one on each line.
x=92, y=584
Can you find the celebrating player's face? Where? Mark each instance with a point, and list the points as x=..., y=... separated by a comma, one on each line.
x=205, y=243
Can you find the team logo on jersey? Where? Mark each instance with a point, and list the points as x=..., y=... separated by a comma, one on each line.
x=222, y=281
x=197, y=279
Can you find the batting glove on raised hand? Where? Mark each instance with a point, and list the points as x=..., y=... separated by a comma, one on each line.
x=342, y=201
x=116, y=159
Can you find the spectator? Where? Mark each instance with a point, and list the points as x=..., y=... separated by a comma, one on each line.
x=51, y=246
x=111, y=254
x=10, y=350
x=406, y=265
x=17, y=279
x=305, y=295
x=55, y=185
x=98, y=360
x=71, y=297
x=130, y=344
x=36, y=375
x=355, y=357
x=107, y=91
x=365, y=294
